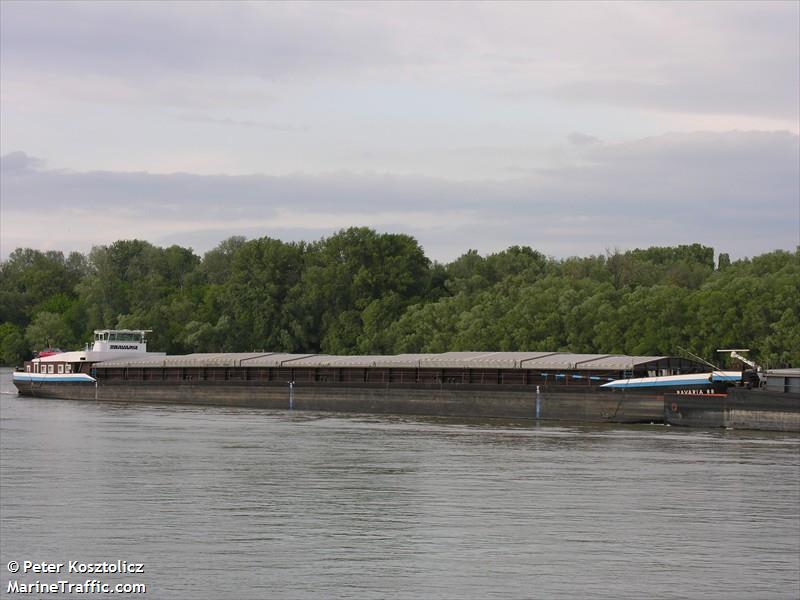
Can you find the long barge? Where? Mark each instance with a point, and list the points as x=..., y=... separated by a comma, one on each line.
x=509, y=385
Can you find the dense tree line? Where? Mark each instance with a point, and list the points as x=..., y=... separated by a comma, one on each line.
x=363, y=292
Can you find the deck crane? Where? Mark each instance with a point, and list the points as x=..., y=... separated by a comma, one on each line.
x=757, y=370
x=734, y=352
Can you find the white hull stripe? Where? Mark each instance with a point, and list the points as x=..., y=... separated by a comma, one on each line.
x=676, y=380
x=53, y=378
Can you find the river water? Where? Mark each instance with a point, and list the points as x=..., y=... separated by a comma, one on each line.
x=237, y=503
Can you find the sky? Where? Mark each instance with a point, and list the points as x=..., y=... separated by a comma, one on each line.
x=574, y=128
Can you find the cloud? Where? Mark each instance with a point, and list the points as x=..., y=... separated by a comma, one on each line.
x=576, y=138
x=19, y=162
x=136, y=38
x=454, y=91
x=247, y=124
x=737, y=191
x=771, y=93
x=719, y=57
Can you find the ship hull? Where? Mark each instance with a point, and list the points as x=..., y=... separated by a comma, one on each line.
x=511, y=402
x=740, y=408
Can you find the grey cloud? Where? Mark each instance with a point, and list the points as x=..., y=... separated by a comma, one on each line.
x=228, y=122
x=224, y=195
x=736, y=191
x=701, y=57
x=131, y=39
x=203, y=55
x=687, y=149
x=769, y=92
x=736, y=183
x=19, y=162
x=576, y=138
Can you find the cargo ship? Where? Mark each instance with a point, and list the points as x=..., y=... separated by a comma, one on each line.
x=509, y=385
x=526, y=385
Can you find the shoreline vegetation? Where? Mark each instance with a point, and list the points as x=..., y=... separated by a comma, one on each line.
x=363, y=292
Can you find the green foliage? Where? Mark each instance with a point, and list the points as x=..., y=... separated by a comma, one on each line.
x=13, y=349
x=263, y=273
x=47, y=330
x=217, y=263
x=346, y=274
x=363, y=292
x=751, y=304
x=31, y=279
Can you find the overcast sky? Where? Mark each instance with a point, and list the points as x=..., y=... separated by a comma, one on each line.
x=574, y=128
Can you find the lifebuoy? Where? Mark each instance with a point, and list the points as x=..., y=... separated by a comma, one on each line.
x=674, y=407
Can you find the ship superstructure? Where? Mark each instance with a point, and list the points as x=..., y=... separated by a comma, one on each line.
x=76, y=366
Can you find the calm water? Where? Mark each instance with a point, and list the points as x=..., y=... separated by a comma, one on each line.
x=226, y=503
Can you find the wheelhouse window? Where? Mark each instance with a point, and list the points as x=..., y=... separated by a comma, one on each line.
x=60, y=369
x=50, y=368
x=126, y=336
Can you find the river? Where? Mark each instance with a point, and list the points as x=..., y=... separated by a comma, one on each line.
x=238, y=503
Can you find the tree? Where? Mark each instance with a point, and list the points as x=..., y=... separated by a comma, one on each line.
x=30, y=278
x=47, y=330
x=13, y=349
x=348, y=272
x=263, y=273
x=217, y=263
x=359, y=291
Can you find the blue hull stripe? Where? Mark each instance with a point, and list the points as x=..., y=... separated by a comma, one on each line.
x=47, y=378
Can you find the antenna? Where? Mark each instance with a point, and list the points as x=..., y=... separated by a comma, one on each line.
x=702, y=360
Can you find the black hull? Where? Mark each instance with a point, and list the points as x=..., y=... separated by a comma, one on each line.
x=565, y=403
x=740, y=408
